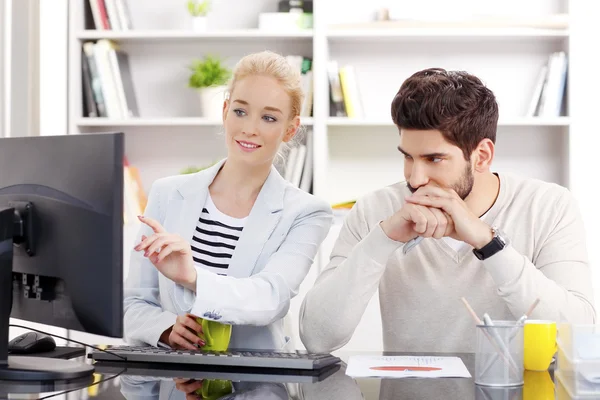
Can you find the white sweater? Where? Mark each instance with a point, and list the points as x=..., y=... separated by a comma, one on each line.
x=420, y=292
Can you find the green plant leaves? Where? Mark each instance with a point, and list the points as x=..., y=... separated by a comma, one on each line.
x=197, y=9
x=208, y=72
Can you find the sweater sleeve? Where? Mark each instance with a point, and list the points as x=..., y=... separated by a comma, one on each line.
x=333, y=307
x=560, y=275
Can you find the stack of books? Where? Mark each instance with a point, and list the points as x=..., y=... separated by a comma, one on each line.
x=109, y=15
x=344, y=94
x=548, y=99
x=304, y=65
x=299, y=165
x=107, y=84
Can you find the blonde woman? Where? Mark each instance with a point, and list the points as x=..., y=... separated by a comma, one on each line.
x=231, y=243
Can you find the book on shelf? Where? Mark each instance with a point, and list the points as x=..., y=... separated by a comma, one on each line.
x=91, y=100
x=336, y=99
x=107, y=82
x=304, y=65
x=111, y=15
x=344, y=93
x=298, y=166
x=549, y=95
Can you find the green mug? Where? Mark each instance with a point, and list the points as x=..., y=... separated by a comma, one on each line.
x=213, y=389
x=215, y=334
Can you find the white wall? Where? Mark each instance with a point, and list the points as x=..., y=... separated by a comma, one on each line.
x=5, y=27
x=585, y=129
x=53, y=71
x=39, y=55
x=23, y=64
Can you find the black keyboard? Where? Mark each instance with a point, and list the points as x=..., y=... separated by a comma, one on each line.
x=240, y=358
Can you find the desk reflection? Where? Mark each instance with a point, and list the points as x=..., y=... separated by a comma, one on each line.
x=142, y=384
x=146, y=388
x=538, y=385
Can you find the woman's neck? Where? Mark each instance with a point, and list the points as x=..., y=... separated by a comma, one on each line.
x=239, y=182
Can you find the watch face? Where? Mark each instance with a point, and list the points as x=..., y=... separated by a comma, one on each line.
x=499, y=234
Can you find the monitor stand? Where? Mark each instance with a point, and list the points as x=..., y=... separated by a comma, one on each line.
x=24, y=368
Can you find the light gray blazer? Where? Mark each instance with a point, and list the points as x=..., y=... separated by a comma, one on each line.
x=272, y=257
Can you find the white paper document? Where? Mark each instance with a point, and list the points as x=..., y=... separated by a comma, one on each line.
x=406, y=367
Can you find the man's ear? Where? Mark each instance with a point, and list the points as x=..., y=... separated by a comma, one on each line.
x=483, y=155
x=292, y=129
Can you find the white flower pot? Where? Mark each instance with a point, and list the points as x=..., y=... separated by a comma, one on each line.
x=200, y=24
x=211, y=102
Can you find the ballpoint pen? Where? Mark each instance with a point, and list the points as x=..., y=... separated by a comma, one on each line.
x=489, y=337
x=411, y=244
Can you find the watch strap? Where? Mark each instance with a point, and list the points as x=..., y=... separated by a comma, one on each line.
x=494, y=246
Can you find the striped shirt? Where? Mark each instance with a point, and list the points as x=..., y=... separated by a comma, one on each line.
x=215, y=238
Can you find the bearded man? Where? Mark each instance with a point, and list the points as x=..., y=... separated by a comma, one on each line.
x=500, y=241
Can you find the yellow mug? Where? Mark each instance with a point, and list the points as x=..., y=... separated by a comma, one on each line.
x=538, y=385
x=539, y=344
x=215, y=334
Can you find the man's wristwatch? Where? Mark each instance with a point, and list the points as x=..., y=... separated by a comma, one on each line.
x=499, y=241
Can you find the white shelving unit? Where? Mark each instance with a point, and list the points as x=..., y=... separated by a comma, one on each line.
x=435, y=34
x=516, y=122
x=154, y=35
x=160, y=43
x=351, y=156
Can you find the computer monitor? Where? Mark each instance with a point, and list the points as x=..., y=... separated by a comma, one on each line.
x=61, y=242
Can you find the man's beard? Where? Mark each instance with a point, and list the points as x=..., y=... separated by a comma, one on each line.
x=463, y=187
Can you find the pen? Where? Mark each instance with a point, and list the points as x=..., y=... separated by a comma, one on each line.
x=487, y=334
x=520, y=321
x=488, y=321
x=411, y=244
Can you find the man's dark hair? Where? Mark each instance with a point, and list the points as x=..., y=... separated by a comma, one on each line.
x=454, y=102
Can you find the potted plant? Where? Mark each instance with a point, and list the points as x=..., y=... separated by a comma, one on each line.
x=209, y=77
x=198, y=9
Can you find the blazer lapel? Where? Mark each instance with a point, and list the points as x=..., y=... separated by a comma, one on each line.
x=183, y=213
x=261, y=222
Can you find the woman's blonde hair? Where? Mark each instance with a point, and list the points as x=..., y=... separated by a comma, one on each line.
x=276, y=66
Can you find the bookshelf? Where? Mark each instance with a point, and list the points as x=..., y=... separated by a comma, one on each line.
x=175, y=35
x=453, y=34
x=156, y=47
x=351, y=156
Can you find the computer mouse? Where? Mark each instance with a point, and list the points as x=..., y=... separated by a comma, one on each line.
x=31, y=343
